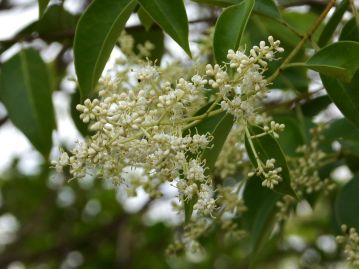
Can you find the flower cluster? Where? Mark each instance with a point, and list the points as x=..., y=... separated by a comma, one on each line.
x=269, y=172
x=144, y=130
x=242, y=101
x=304, y=173
x=304, y=169
x=351, y=241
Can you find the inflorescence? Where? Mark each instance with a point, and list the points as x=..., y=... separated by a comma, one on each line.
x=145, y=118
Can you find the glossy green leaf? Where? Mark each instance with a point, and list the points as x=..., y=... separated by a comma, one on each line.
x=145, y=19
x=345, y=96
x=229, y=29
x=42, y=6
x=96, y=34
x=339, y=60
x=172, y=17
x=350, y=31
x=347, y=204
x=268, y=148
x=25, y=90
x=260, y=214
x=333, y=23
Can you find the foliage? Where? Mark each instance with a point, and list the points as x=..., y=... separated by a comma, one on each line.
x=241, y=129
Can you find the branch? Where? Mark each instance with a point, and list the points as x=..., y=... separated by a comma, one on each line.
x=301, y=43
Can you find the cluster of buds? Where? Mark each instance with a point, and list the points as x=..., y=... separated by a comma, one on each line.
x=270, y=174
x=350, y=240
x=304, y=169
x=274, y=128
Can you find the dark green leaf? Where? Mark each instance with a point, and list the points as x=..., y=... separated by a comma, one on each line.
x=229, y=29
x=350, y=31
x=339, y=60
x=267, y=8
x=347, y=204
x=312, y=107
x=96, y=35
x=264, y=7
x=345, y=96
x=219, y=127
x=260, y=215
x=42, y=6
x=219, y=3
x=57, y=24
x=25, y=90
x=145, y=19
x=172, y=17
x=268, y=148
x=342, y=131
x=188, y=208
x=154, y=35
x=333, y=23
x=292, y=136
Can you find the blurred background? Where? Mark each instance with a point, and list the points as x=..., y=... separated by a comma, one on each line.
x=48, y=222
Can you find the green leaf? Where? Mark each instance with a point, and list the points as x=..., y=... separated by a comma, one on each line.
x=264, y=7
x=267, y=8
x=345, y=96
x=260, y=214
x=154, y=35
x=293, y=135
x=339, y=60
x=42, y=6
x=219, y=127
x=229, y=29
x=350, y=31
x=312, y=107
x=56, y=24
x=172, y=17
x=96, y=34
x=219, y=3
x=333, y=23
x=268, y=148
x=347, y=204
x=25, y=90
x=343, y=132
x=145, y=19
